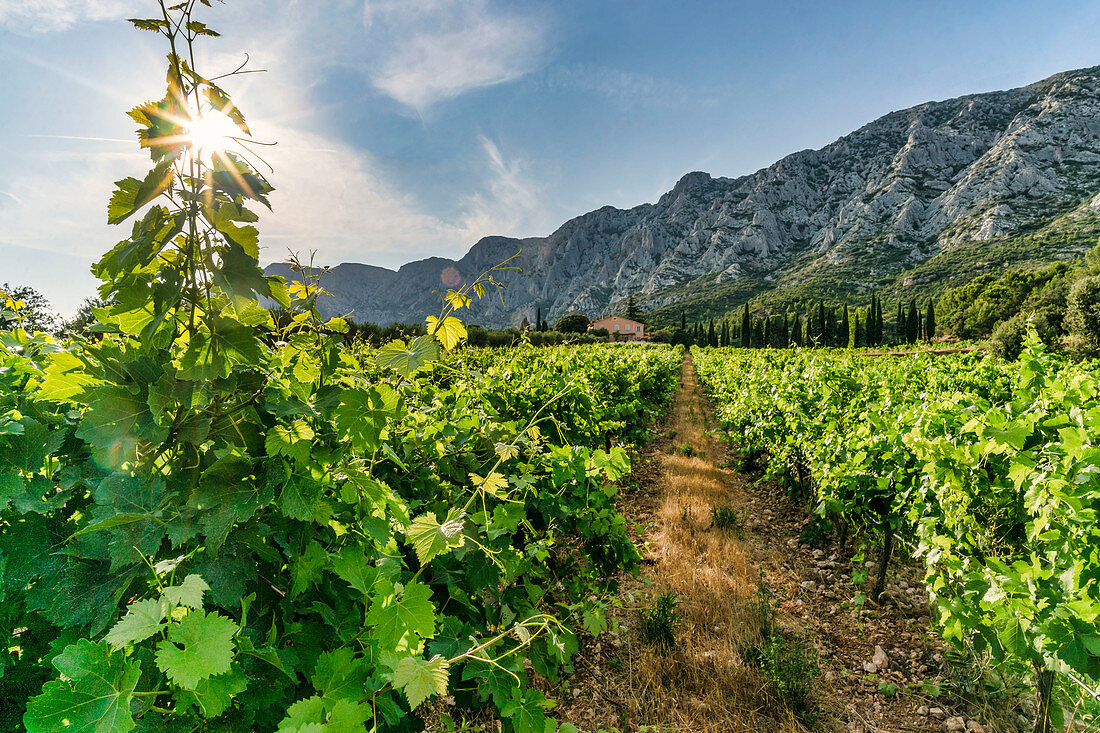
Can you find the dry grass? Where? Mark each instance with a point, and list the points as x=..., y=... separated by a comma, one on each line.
x=701, y=684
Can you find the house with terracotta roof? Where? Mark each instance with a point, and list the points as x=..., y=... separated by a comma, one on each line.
x=620, y=329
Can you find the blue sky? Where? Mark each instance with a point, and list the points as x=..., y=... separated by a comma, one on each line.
x=411, y=128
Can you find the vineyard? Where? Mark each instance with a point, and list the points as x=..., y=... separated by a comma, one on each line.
x=982, y=470
x=220, y=512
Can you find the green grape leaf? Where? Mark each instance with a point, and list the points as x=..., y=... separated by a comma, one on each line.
x=405, y=360
x=448, y=332
x=188, y=593
x=213, y=695
x=65, y=377
x=197, y=647
x=420, y=679
x=95, y=697
x=430, y=537
x=353, y=566
x=363, y=414
x=131, y=194
x=402, y=619
x=143, y=619
x=292, y=440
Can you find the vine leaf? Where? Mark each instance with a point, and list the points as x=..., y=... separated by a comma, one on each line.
x=131, y=194
x=402, y=618
x=142, y=620
x=94, y=697
x=188, y=593
x=449, y=331
x=430, y=537
x=406, y=359
x=199, y=646
x=419, y=679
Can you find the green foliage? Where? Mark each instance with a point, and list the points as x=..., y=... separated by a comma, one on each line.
x=728, y=518
x=660, y=621
x=1083, y=315
x=817, y=532
x=572, y=323
x=210, y=520
x=25, y=307
x=790, y=664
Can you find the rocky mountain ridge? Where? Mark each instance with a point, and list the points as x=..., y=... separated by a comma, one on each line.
x=940, y=181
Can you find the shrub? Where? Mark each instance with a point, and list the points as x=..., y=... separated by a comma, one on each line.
x=1008, y=337
x=817, y=531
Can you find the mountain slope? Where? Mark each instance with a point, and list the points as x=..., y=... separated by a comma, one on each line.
x=939, y=190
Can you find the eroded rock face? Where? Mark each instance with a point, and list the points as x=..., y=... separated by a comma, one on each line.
x=936, y=175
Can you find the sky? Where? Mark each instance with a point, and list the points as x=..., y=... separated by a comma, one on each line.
x=411, y=128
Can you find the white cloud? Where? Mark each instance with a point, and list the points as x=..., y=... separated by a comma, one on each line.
x=44, y=16
x=433, y=50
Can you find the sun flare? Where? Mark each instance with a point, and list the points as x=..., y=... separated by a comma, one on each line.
x=211, y=133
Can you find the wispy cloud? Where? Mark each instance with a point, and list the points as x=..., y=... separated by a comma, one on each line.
x=44, y=16
x=510, y=202
x=433, y=50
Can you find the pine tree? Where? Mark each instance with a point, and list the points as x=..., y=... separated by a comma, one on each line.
x=746, y=328
x=930, y=321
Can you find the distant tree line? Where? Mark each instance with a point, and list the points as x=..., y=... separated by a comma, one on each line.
x=825, y=325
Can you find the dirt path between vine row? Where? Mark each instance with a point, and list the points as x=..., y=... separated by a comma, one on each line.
x=704, y=682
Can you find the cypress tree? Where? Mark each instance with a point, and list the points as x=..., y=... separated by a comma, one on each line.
x=899, y=329
x=930, y=321
x=767, y=340
x=844, y=337
x=632, y=310
x=538, y=318
x=857, y=334
x=912, y=323
x=683, y=321
x=828, y=334
x=758, y=332
x=796, y=330
x=784, y=332
x=819, y=331
x=725, y=333
x=746, y=328
x=712, y=337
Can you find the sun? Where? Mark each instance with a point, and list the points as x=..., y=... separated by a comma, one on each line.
x=211, y=133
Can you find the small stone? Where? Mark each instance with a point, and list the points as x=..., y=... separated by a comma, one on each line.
x=809, y=585
x=956, y=723
x=870, y=668
x=923, y=710
x=975, y=727
x=880, y=659
x=937, y=713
